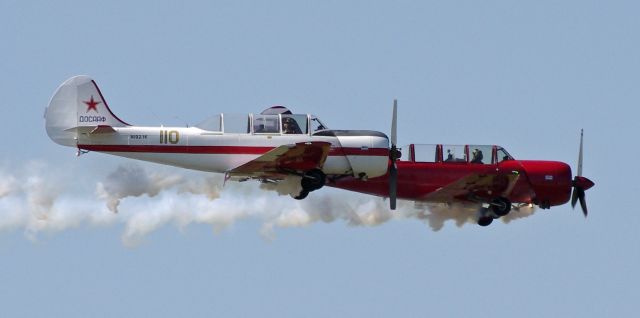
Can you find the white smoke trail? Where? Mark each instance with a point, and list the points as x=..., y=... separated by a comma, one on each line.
x=132, y=181
x=289, y=186
x=35, y=200
x=518, y=213
x=31, y=201
x=7, y=185
x=460, y=214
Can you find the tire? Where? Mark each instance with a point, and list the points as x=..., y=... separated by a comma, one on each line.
x=501, y=206
x=303, y=194
x=313, y=180
x=485, y=220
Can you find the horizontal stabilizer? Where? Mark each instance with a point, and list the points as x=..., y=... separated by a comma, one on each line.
x=100, y=129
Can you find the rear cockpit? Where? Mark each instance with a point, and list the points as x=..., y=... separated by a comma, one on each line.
x=477, y=154
x=274, y=120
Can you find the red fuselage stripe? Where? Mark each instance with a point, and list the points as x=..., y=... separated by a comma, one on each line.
x=223, y=150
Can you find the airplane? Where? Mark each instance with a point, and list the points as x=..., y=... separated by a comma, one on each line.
x=277, y=145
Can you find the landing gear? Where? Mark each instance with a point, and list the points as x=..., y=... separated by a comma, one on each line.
x=303, y=194
x=501, y=206
x=485, y=220
x=313, y=180
x=485, y=216
x=497, y=208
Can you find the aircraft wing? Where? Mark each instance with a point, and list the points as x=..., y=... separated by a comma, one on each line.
x=284, y=160
x=475, y=186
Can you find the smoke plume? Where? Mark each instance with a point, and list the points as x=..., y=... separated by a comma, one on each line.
x=143, y=199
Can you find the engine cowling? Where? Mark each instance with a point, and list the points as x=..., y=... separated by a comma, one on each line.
x=367, y=151
x=551, y=180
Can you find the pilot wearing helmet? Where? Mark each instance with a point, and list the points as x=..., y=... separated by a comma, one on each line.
x=449, y=156
x=476, y=156
x=290, y=126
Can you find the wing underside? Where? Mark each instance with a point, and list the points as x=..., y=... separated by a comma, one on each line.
x=476, y=187
x=285, y=160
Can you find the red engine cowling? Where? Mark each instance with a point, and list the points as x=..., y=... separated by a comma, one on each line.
x=550, y=180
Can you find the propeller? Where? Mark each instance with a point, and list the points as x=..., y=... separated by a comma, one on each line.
x=394, y=155
x=580, y=183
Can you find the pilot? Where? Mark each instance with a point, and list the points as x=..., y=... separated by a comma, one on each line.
x=449, y=155
x=289, y=126
x=477, y=156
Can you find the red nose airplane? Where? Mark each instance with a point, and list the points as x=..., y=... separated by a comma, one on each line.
x=277, y=145
x=483, y=174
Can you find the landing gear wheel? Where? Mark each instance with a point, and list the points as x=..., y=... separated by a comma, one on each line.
x=303, y=194
x=485, y=220
x=313, y=180
x=500, y=206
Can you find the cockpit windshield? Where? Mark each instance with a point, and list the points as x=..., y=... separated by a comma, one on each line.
x=316, y=124
x=503, y=154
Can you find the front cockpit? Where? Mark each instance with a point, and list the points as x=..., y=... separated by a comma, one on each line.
x=476, y=154
x=274, y=120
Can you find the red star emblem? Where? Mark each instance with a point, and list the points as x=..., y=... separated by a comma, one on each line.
x=91, y=104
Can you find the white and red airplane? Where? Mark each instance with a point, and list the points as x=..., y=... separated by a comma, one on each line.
x=277, y=144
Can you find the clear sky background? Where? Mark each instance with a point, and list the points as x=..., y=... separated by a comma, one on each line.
x=524, y=76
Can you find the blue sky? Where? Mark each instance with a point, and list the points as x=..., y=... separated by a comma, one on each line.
x=526, y=76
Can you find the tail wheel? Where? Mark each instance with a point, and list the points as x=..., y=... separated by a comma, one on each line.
x=313, y=180
x=501, y=206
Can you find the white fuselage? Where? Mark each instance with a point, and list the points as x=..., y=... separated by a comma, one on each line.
x=195, y=148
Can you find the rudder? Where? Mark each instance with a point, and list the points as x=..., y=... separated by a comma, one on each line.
x=78, y=102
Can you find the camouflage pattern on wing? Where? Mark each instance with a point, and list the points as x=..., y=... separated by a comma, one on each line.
x=284, y=160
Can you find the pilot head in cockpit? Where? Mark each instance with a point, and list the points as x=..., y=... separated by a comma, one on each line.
x=289, y=126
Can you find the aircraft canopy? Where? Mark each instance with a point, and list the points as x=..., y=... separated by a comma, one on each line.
x=273, y=120
x=479, y=154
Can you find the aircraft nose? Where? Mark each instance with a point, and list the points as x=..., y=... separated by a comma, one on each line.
x=550, y=180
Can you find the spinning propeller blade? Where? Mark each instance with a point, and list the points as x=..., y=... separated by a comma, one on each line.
x=394, y=154
x=394, y=124
x=580, y=183
x=393, y=186
x=583, y=202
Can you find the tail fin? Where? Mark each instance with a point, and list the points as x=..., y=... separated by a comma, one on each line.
x=77, y=103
